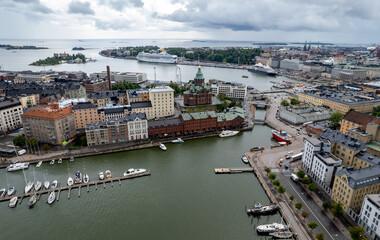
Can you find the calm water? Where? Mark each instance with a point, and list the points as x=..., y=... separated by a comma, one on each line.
x=18, y=60
x=182, y=199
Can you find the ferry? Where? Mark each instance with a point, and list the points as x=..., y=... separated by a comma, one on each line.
x=157, y=57
x=17, y=166
x=271, y=228
x=263, y=69
x=281, y=136
x=228, y=133
x=259, y=209
x=132, y=171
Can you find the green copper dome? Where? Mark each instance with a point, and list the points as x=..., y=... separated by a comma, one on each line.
x=199, y=74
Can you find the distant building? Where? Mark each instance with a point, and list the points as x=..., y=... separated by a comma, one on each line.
x=354, y=119
x=29, y=100
x=369, y=217
x=290, y=64
x=233, y=90
x=198, y=93
x=75, y=90
x=10, y=114
x=22, y=78
x=96, y=85
x=132, y=77
x=302, y=113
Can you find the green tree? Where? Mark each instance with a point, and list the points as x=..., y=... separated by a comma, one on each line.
x=32, y=142
x=291, y=197
x=312, y=225
x=312, y=187
x=301, y=174
x=356, y=233
x=306, y=180
x=83, y=141
x=46, y=147
x=294, y=101
x=281, y=189
x=326, y=205
x=320, y=236
x=335, y=119
x=276, y=183
x=267, y=170
x=285, y=103
x=305, y=214
x=272, y=176
x=376, y=111
x=298, y=205
x=19, y=140
x=337, y=209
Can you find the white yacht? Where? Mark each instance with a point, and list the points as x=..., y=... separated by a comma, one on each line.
x=244, y=159
x=78, y=178
x=178, y=140
x=228, y=133
x=52, y=162
x=29, y=186
x=54, y=184
x=70, y=181
x=163, y=147
x=72, y=159
x=60, y=160
x=17, y=166
x=11, y=191
x=46, y=184
x=270, y=228
x=32, y=200
x=3, y=192
x=13, y=202
x=37, y=186
x=108, y=174
x=51, y=197
x=86, y=178
x=101, y=175
x=39, y=164
x=132, y=171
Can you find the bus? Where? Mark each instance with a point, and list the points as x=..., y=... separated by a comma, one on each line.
x=296, y=157
x=307, y=123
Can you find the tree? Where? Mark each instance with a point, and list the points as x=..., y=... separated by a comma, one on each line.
x=272, y=176
x=320, y=236
x=306, y=180
x=326, y=205
x=376, y=111
x=337, y=209
x=32, y=142
x=267, y=170
x=312, y=187
x=301, y=174
x=83, y=141
x=281, y=189
x=276, y=183
x=294, y=101
x=298, y=205
x=312, y=225
x=335, y=119
x=19, y=140
x=356, y=233
x=291, y=197
x=305, y=214
x=46, y=147
x=285, y=103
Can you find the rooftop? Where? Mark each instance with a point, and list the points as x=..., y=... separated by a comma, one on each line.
x=133, y=116
x=343, y=139
x=374, y=198
x=361, y=178
x=51, y=112
x=145, y=104
x=8, y=102
x=165, y=122
x=359, y=118
x=83, y=105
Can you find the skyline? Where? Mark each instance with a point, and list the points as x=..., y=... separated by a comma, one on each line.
x=344, y=21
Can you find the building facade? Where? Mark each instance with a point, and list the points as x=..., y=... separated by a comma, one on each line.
x=10, y=114
x=137, y=126
x=369, y=217
x=85, y=113
x=198, y=93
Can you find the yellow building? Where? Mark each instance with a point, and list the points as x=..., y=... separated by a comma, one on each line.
x=22, y=78
x=29, y=100
x=354, y=119
x=85, y=113
x=162, y=99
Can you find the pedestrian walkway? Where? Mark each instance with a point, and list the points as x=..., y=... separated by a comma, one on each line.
x=293, y=222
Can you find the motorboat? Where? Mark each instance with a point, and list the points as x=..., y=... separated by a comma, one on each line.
x=178, y=140
x=17, y=166
x=271, y=228
x=244, y=76
x=132, y=172
x=163, y=147
x=29, y=186
x=32, y=200
x=39, y=164
x=255, y=149
x=46, y=184
x=3, y=192
x=54, y=184
x=282, y=235
x=52, y=162
x=37, y=186
x=51, y=197
x=60, y=160
x=244, y=159
x=228, y=133
x=101, y=175
x=108, y=174
x=72, y=159
x=11, y=191
x=78, y=178
x=259, y=209
x=86, y=178
x=13, y=202
x=70, y=181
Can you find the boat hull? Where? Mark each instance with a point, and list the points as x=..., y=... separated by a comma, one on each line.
x=279, y=138
x=272, y=74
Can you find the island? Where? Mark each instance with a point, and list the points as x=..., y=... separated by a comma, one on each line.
x=78, y=49
x=60, y=58
x=11, y=47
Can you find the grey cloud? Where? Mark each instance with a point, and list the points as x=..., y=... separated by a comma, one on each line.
x=84, y=8
x=120, y=5
x=37, y=6
x=42, y=9
x=114, y=25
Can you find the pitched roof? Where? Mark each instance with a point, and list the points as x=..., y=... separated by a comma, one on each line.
x=51, y=112
x=358, y=117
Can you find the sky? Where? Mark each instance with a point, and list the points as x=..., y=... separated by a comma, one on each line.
x=341, y=21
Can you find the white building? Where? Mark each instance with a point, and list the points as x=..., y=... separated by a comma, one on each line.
x=10, y=114
x=233, y=90
x=137, y=126
x=132, y=77
x=290, y=64
x=298, y=114
x=162, y=99
x=369, y=217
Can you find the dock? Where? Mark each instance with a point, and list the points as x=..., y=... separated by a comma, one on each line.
x=232, y=170
x=79, y=186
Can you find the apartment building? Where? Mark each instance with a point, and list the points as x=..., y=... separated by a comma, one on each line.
x=233, y=90
x=162, y=99
x=369, y=216
x=22, y=78
x=97, y=134
x=132, y=77
x=354, y=119
x=137, y=126
x=29, y=100
x=10, y=114
x=102, y=98
x=302, y=113
x=85, y=113
x=96, y=85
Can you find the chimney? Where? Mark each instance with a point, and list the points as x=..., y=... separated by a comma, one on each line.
x=109, y=77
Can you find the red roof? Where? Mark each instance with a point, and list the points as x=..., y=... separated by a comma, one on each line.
x=360, y=118
x=49, y=112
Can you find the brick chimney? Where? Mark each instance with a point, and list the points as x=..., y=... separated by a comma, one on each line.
x=109, y=77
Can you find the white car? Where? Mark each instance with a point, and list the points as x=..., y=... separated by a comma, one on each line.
x=290, y=152
x=281, y=160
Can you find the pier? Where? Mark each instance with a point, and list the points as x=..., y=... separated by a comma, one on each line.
x=232, y=170
x=79, y=186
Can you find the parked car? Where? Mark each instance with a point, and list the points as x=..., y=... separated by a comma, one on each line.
x=286, y=166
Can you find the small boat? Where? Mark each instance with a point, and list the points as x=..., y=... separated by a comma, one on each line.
x=32, y=200
x=39, y=164
x=13, y=202
x=60, y=160
x=72, y=159
x=3, y=192
x=52, y=162
x=101, y=175
x=46, y=184
x=178, y=140
x=228, y=133
x=244, y=159
x=70, y=181
x=259, y=209
x=37, y=186
x=54, y=184
x=86, y=178
x=271, y=228
x=78, y=178
x=244, y=76
x=11, y=191
x=281, y=136
x=108, y=174
x=255, y=149
x=163, y=147
x=282, y=235
x=17, y=166
x=51, y=197
x=29, y=186
x=132, y=172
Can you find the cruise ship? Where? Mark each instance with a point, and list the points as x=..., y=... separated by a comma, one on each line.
x=162, y=57
x=263, y=69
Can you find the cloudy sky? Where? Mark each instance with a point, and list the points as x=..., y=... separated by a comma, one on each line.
x=253, y=20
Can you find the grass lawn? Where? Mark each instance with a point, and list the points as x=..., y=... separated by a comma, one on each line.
x=200, y=109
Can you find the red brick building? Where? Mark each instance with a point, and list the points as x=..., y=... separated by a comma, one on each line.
x=165, y=127
x=198, y=93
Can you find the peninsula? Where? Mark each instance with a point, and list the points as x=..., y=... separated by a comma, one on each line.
x=11, y=47
x=60, y=58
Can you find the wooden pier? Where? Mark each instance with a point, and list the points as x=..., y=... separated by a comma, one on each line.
x=79, y=186
x=232, y=170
